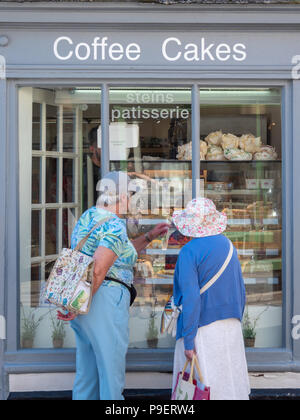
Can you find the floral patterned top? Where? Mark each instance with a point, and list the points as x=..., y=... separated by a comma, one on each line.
x=112, y=235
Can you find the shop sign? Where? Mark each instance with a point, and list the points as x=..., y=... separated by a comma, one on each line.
x=172, y=49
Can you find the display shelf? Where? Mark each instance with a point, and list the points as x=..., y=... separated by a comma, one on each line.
x=174, y=251
x=249, y=192
x=152, y=221
x=155, y=280
x=271, y=281
x=269, y=252
x=218, y=162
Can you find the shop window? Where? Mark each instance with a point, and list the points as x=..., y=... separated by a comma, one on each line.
x=151, y=138
x=242, y=165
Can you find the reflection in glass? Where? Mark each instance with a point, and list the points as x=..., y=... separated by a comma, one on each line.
x=68, y=181
x=51, y=232
x=35, y=285
x=69, y=223
x=91, y=154
x=36, y=180
x=36, y=126
x=51, y=127
x=52, y=180
x=35, y=233
x=69, y=129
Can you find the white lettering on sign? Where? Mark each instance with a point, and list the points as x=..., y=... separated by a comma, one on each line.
x=172, y=49
x=99, y=49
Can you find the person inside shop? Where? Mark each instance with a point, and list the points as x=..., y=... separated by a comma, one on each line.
x=210, y=292
x=102, y=336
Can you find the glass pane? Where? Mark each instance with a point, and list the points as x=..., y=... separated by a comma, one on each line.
x=51, y=128
x=81, y=108
x=35, y=285
x=150, y=138
x=36, y=180
x=52, y=180
x=69, y=134
x=51, y=232
x=91, y=154
x=68, y=181
x=35, y=233
x=241, y=164
x=36, y=127
x=69, y=223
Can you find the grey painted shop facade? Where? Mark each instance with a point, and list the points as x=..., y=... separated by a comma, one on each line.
x=61, y=45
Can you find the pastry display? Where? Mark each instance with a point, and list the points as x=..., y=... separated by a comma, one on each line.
x=214, y=138
x=230, y=141
x=203, y=149
x=144, y=269
x=250, y=143
x=237, y=154
x=218, y=186
x=186, y=150
x=254, y=267
x=215, y=153
x=260, y=210
x=266, y=153
x=218, y=146
x=156, y=244
x=236, y=213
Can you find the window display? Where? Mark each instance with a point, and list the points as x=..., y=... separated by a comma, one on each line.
x=151, y=139
x=243, y=176
x=163, y=178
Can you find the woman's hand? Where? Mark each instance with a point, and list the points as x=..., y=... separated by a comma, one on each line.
x=189, y=354
x=159, y=230
x=66, y=318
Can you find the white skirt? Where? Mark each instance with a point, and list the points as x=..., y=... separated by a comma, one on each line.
x=221, y=353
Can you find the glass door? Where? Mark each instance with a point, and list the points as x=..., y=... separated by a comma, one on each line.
x=57, y=183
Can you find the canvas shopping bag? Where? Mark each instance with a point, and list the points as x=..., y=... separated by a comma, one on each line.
x=71, y=280
x=187, y=388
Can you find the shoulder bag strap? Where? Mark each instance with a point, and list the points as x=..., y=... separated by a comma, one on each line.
x=220, y=272
x=83, y=241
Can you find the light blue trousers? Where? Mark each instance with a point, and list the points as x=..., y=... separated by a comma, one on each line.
x=102, y=339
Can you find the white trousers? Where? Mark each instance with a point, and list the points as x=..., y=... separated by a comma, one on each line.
x=221, y=353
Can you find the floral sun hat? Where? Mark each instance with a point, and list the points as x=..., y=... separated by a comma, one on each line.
x=200, y=219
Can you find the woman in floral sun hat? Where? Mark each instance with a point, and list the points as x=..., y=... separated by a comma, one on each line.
x=209, y=288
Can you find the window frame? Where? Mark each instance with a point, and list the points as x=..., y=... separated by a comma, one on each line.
x=160, y=360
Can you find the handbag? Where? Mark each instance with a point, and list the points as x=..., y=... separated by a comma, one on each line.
x=187, y=388
x=172, y=312
x=70, y=283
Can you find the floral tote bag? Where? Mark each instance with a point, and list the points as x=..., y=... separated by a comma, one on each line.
x=70, y=283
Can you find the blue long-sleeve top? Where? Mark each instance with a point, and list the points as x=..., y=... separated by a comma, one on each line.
x=198, y=262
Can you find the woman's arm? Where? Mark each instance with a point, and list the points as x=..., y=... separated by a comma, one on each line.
x=104, y=260
x=187, y=293
x=141, y=243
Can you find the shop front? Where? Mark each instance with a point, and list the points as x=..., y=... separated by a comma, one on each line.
x=188, y=100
